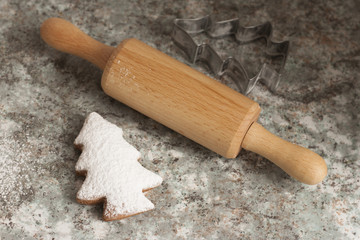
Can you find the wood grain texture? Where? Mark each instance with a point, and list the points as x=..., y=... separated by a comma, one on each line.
x=66, y=37
x=299, y=162
x=179, y=97
x=184, y=100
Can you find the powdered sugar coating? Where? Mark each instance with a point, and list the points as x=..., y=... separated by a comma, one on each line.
x=113, y=170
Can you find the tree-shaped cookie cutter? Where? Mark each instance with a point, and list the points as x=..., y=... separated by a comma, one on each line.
x=185, y=29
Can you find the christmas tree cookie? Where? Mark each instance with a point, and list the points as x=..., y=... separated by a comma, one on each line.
x=113, y=174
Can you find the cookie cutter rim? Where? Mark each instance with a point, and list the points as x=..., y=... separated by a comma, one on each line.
x=184, y=29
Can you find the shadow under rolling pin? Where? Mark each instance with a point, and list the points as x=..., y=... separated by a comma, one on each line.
x=184, y=100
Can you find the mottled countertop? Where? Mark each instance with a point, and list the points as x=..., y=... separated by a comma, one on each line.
x=45, y=96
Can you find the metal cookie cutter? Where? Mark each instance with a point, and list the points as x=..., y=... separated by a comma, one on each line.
x=184, y=29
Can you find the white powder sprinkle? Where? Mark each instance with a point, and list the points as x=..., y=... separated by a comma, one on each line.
x=113, y=170
x=15, y=182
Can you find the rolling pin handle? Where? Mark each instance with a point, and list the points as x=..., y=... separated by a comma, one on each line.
x=299, y=162
x=66, y=37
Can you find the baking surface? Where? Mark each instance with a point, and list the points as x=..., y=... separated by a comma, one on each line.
x=45, y=96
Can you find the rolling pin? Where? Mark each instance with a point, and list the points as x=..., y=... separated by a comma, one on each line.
x=184, y=99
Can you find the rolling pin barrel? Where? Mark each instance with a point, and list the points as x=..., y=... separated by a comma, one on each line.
x=183, y=99
x=179, y=97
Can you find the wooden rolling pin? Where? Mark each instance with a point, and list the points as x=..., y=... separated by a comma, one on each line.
x=184, y=99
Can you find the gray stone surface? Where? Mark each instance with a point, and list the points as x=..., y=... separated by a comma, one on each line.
x=45, y=96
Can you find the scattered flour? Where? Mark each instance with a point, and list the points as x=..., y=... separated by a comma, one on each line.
x=308, y=122
x=176, y=153
x=15, y=182
x=339, y=138
x=100, y=229
x=63, y=230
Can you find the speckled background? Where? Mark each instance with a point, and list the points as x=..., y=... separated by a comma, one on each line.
x=45, y=96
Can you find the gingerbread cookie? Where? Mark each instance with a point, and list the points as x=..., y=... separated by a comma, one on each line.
x=113, y=174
